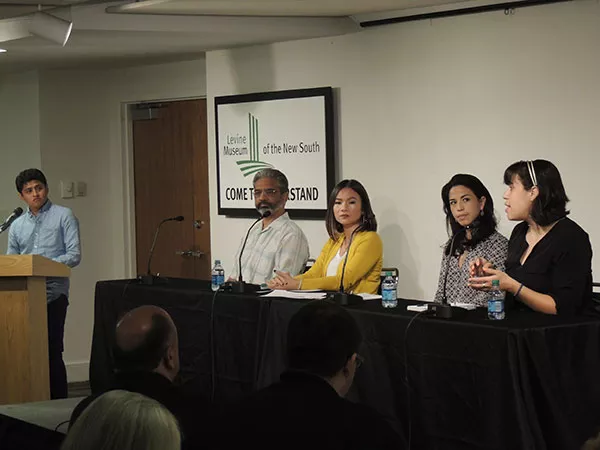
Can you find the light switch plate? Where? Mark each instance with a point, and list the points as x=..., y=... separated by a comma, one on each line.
x=80, y=189
x=66, y=189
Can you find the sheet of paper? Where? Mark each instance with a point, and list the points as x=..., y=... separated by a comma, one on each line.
x=296, y=294
x=462, y=305
x=370, y=296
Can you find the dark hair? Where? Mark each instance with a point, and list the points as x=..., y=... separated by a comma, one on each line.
x=147, y=355
x=29, y=175
x=481, y=228
x=551, y=203
x=274, y=174
x=368, y=222
x=321, y=337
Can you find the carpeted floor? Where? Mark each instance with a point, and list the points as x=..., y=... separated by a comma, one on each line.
x=53, y=414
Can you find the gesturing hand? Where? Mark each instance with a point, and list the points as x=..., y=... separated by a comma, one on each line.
x=484, y=282
x=477, y=265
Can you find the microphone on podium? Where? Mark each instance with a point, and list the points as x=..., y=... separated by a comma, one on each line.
x=341, y=297
x=10, y=219
x=240, y=286
x=149, y=278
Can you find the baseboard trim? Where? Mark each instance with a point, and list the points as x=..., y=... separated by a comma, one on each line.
x=78, y=371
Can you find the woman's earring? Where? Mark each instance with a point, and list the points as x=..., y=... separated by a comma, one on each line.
x=481, y=213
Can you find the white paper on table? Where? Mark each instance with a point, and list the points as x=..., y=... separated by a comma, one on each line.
x=462, y=305
x=296, y=294
x=366, y=296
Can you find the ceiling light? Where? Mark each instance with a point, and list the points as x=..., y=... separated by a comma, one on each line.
x=2, y=50
x=50, y=27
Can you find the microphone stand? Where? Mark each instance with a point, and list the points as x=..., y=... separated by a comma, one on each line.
x=240, y=286
x=149, y=278
x=443, y=310
x=341, y=297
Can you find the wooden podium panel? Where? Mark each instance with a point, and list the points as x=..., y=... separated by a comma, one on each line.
x=23, y=327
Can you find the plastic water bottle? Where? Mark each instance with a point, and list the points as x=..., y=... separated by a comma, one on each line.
x=217, y=275
x=389, y=288
x=496, y=302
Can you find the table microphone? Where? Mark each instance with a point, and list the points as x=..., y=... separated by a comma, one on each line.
x=342, y=298
x=149, y=278
x=240, y=286
x=10, y=219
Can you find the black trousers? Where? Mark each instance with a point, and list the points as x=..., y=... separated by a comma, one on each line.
x=57, y=313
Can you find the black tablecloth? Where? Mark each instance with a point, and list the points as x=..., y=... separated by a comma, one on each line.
x=528, y=382
x=239, y=324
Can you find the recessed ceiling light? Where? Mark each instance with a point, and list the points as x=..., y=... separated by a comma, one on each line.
x=2, y=50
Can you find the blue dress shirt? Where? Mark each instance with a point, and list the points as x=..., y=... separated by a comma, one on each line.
x=53, y=233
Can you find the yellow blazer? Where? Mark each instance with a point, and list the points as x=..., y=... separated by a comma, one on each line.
x=363, y=270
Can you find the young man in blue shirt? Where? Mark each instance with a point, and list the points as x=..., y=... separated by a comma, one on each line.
x=52, y=231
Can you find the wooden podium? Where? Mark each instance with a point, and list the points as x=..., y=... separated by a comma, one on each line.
x=23, y=327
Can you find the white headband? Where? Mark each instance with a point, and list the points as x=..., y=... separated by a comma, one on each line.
x=532, y=172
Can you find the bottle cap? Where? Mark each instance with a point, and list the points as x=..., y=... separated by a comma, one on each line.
x=217, y=261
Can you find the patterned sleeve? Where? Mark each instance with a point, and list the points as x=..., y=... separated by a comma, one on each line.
x=495, y=250
x=440, y=289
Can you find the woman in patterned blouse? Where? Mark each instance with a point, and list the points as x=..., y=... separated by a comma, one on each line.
x=471, y=225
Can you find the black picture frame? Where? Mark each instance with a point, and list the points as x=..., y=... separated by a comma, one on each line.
x=330, y=148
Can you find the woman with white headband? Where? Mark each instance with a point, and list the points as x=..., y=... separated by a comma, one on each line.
x=549, y=262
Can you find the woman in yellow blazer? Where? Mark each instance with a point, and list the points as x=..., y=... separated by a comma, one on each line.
x=350, y=223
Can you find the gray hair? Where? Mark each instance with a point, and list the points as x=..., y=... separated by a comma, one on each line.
x=122, y=420
x=592, y=444
x=274, y=174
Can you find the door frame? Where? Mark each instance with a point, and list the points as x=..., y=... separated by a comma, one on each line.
x=128, y=182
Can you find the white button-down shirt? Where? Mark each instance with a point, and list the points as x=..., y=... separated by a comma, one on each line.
x=280, y=246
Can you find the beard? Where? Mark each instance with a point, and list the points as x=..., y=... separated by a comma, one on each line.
x=263, y=207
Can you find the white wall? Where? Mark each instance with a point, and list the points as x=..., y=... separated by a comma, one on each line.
x=418, y=102
x=81, y=134
x=19, y=137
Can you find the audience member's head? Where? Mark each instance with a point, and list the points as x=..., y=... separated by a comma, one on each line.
x=323, y=339
x=146, y=340
x=592, y=444
x=122, y=420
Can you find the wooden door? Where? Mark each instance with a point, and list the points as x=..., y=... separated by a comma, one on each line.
x=171, y=179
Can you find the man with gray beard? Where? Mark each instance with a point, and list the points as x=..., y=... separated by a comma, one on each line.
x=276, y=242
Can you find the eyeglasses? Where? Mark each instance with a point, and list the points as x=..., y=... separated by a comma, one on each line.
x=359, y=360
x=267, y=192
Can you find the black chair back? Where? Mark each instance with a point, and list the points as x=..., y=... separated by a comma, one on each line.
x=596, y=293
x=308, y=265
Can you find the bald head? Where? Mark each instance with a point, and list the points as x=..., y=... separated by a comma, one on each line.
x=143, y=339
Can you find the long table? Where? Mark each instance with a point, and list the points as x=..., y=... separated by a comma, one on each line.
x=527, y=382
